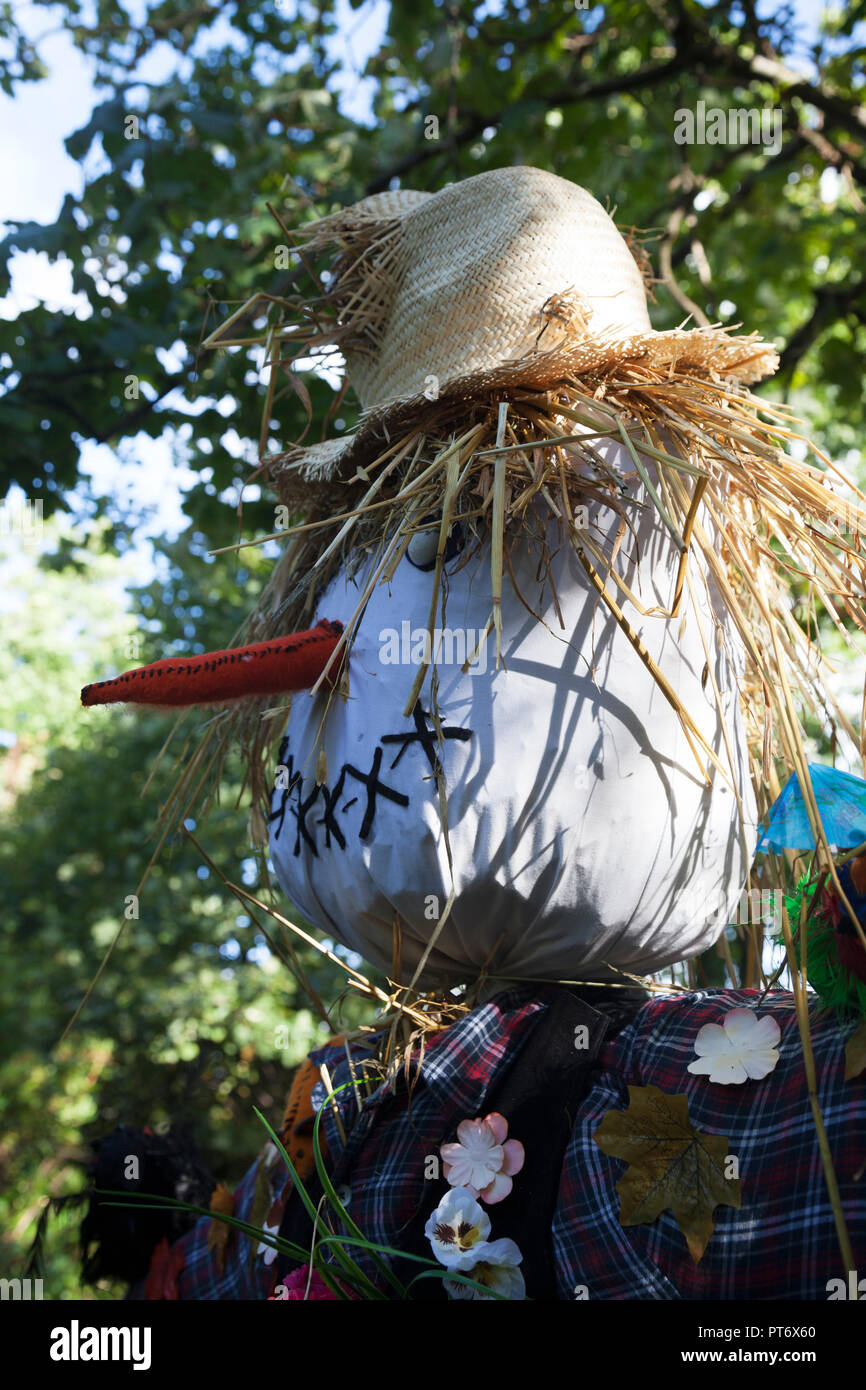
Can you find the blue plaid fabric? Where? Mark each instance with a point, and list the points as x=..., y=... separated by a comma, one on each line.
x=245, y=1274
x=781, y=1244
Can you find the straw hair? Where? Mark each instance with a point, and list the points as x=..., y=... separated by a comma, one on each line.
x=713, y=468
x=712, y=355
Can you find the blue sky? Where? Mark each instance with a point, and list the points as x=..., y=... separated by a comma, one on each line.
x=35, y=175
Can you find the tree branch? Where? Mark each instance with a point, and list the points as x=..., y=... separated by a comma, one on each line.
x=650, y=75
x=832, y=302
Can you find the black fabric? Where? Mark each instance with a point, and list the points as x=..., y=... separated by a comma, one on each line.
x=296, y=1225
x=538, y=1095
x=117, y=1242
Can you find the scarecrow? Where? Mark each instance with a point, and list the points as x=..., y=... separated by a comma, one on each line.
x=513, y=704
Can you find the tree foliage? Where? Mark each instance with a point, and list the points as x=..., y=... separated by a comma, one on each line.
x=195, y=1020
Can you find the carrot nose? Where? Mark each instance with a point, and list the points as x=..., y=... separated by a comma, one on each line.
x=264, y=668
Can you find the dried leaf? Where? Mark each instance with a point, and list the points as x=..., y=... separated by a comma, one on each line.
x=261, y=1201
x=855, y=1052
x=672, y=1166
x=219, y=1232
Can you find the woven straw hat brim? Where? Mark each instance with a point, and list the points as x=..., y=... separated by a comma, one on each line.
x=714, y=352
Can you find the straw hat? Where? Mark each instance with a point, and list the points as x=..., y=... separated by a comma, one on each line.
x=514, y=277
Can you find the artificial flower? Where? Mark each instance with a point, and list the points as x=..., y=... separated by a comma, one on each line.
x=458, y=1230
x=484, y=1160
x=743, y=1049
x=497, y=1271
x=294, y=1288
x=270, y=1252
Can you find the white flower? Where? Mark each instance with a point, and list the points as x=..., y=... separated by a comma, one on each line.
x=743, y=1049
x=458, y=1230
x=269, y=1251
x=496, y=1270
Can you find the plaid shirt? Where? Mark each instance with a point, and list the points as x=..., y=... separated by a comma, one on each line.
x=780, y=1244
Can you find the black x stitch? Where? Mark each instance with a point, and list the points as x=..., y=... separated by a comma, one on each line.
x=327, y=820
x=294, y=783
x=374, y=786
x=300, y=815
x=426, y=737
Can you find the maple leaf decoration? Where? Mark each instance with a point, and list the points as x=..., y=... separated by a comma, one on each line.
x=672, y=1166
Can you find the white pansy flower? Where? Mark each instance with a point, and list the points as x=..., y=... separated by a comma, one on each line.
x=458, y=1230
x=743, y=1049
x=497, y=1269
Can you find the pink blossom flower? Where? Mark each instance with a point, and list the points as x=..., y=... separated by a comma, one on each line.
x=294, y=1288
x=484, y=1160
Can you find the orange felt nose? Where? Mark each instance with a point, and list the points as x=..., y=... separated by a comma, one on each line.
x=264, y=668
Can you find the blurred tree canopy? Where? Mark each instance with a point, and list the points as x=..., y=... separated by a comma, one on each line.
x=195, y=1020
x=172, y=227
x=170, y=234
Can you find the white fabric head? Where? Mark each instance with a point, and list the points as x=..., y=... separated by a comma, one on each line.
x=582, y=835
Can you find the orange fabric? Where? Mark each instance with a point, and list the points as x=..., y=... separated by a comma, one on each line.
x=264, y=668
x=297, y=1128
x=858, y=873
